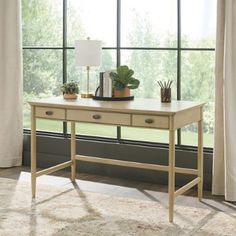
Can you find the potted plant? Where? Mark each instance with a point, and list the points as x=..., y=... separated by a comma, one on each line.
x=123, y=81
x=70, y=90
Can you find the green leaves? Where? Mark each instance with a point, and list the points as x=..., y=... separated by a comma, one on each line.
x=124, y=72
x=70, y=88
x=133, y=83
x=123, y=78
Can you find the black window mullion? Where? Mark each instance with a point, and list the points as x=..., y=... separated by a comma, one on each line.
x=64, y=41
x=179, y=62
x=118, y=128
x=64, y=53
x=118, y=34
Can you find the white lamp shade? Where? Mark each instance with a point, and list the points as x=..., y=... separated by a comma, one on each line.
x=88, y=52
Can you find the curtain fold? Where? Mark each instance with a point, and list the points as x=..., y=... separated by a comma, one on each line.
x=11, y=128
x=224, y=159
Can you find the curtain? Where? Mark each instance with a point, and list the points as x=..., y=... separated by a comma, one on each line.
x=11, y=130
x=224, y=159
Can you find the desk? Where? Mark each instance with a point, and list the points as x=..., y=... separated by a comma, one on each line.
x=146, y=113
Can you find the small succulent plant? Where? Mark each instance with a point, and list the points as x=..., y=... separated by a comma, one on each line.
x=70, y=88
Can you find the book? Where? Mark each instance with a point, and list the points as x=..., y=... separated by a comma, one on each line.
x=107, y=84
x=101, y=76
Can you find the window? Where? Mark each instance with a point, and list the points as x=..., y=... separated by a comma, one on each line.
x=159, y=39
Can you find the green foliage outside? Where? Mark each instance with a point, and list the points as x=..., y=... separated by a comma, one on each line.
x=42, y=26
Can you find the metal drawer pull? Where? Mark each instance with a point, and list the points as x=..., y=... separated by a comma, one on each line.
x=49, y=113
x=149, y=121
x=96, y=117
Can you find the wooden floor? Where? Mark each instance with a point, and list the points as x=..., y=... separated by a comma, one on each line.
x=122, y=188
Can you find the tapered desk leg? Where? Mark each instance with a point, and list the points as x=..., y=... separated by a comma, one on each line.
x=33, y=152
x=73, y=152
x=171, y=178
x=200, y=158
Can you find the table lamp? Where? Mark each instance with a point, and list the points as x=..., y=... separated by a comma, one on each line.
x=87, y=53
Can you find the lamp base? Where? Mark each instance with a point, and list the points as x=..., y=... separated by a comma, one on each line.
x=86, y=95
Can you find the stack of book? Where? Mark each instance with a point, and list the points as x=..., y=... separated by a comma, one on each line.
x=105, y=84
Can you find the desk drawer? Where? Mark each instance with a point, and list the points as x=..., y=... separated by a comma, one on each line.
x=50, y=113
x=161, y=122
x=99, y=117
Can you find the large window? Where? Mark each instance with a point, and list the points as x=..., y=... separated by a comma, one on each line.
x=159, y=39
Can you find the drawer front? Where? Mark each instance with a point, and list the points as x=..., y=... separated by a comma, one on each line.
x=150, y=121
x=99, y=117
x=50, y=113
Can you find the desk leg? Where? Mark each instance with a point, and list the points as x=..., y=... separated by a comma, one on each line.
x=33, y=152
x=73, y=152
x=200, y=158
x=171, y=178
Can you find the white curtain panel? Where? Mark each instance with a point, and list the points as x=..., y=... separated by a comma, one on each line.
x=224, y=162
x=11, y=134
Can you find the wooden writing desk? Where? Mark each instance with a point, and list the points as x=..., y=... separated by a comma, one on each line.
x=146, y=113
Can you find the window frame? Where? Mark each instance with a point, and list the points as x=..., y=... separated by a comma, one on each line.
x=118, y=49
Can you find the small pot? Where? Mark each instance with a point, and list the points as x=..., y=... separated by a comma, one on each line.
x=70, y=96
x=122, y=93
x=166, y=95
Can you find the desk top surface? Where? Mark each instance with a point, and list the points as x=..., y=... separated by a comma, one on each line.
x=138, y=105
